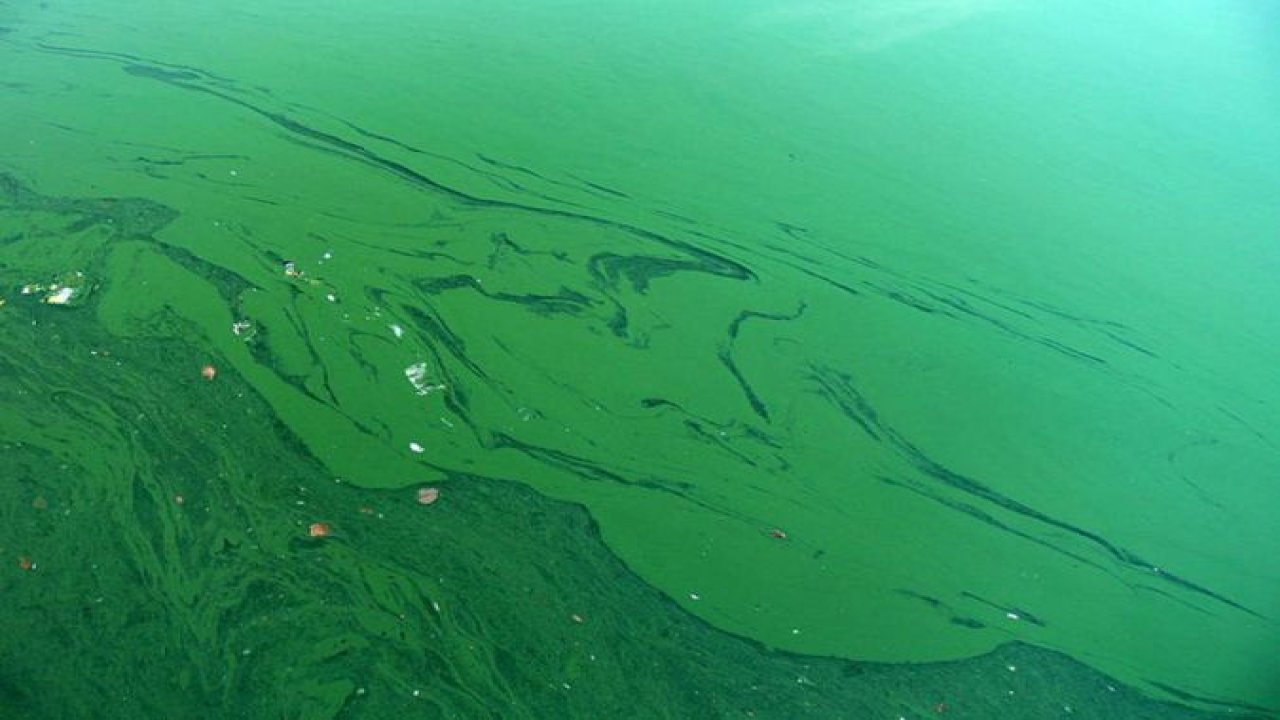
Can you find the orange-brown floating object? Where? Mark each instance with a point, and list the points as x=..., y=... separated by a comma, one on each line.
x=428, y=495
x=25, y=563
x=318, y=529
x=208, y=372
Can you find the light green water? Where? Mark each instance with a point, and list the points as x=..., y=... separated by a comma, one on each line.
x=974, y=302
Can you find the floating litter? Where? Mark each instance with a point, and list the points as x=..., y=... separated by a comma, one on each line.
x=428, y=495
x=416, y=447
x=60, y=296
x=416, y=374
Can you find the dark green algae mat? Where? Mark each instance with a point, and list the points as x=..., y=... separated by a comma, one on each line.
x=827, y=424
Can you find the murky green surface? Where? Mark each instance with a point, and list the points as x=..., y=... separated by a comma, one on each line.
x=779, y=360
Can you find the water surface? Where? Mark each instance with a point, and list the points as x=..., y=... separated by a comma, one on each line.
x=798, y=359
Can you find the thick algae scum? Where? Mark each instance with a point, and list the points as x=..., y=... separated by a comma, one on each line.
x=763, y=369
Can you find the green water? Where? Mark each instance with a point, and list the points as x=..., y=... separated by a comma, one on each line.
x=780, y=360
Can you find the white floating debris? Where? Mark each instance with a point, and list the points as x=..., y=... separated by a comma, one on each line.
x=1012, y=616
x=417, y=376
x=328, y=255
x=417, y=448
x=331, y=297
x=695, y=596
x=397, y=330
x=60, y=296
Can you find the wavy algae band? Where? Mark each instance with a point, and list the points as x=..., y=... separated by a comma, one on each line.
x=639, y=360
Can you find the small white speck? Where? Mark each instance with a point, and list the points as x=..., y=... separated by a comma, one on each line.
x=328, y=255
x=1013, y=668
x=331, y=297
x=416, y=447
x=397, y=331
x=695, y=596
x=417, y=693
x=795, y=631
x=1012, y=616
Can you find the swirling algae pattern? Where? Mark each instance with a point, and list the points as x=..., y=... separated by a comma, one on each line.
x=686, y=469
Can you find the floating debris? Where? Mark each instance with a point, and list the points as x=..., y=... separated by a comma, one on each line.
x=415, y=447
x=428, y=495
x=318, y=530
x=395, y=329
x=291, y=269
x=417, y=376
x=60, y=296
x=64, y=289
x=208, y=372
